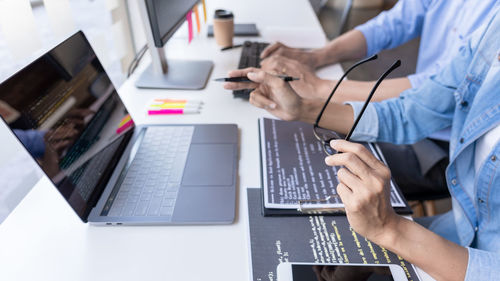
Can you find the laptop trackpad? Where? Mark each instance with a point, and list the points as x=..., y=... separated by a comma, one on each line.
x=209, y=164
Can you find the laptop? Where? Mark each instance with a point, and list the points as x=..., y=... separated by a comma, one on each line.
x=66, y=112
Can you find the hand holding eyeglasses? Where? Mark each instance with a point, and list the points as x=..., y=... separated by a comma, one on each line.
x=364, y=187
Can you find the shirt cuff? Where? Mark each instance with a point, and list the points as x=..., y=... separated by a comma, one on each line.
x=367, y=128
x=482, y=265
x=367, y=32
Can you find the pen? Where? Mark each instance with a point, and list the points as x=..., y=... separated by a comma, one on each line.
x=231, y=47
x=245, y=79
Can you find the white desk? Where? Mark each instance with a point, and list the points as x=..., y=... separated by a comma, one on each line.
x=44, y=240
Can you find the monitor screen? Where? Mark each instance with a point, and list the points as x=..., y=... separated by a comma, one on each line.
x=165, y=17
x=66, y=112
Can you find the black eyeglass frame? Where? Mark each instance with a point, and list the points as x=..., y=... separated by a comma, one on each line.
x=329, y=135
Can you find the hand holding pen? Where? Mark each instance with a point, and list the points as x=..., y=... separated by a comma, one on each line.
x=245, y=79
x=238, y=79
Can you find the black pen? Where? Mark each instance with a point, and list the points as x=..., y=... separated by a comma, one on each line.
x=231, y=47
x=245, y=79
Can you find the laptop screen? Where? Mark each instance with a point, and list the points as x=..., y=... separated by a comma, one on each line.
x=66, y=112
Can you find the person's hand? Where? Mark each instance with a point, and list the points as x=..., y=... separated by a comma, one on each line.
x=241, y=85
x=364, y=187
x=308, y=86
x=305, y=57
x=60, y=138
x=79, y=117
x=271, y=93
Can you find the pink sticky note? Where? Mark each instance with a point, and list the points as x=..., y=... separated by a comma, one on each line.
x=165, y=111
x=189, y=19
x=124, y=127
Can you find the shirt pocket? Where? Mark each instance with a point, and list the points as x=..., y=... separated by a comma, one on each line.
x=466, y=91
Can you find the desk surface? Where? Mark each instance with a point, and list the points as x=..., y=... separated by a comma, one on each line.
x=44, y=240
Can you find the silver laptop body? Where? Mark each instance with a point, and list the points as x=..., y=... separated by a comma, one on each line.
x=66, y=112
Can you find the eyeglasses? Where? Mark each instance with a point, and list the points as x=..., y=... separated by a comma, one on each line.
x=325, y=136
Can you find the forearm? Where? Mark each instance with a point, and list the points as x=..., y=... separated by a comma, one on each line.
x=349, y=46
x=351, y=90
x=337, y=117
x=440, y=258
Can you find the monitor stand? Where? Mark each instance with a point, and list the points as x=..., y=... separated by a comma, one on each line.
x=180, y=74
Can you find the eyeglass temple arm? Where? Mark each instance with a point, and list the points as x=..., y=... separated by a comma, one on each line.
x=374, y=57
x=394, y=66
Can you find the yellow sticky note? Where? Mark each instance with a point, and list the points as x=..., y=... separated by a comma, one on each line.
x=204, y=10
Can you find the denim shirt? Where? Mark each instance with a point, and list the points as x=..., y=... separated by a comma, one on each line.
x=441, y=25
x=465, y=95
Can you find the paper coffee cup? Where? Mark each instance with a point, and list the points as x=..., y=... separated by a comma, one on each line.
x=223, y=28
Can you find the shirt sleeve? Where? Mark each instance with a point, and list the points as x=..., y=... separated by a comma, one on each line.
x=417, y=79
x=33, y=141
x=482, y=265
x=367, y=128
x=394, y=27
x=416, y=114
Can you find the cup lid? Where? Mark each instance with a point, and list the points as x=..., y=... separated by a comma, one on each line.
x=223, y=14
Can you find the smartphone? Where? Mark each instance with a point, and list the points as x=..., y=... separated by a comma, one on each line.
x=340, y=272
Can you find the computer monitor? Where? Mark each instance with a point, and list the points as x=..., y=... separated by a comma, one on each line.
x=161, y=19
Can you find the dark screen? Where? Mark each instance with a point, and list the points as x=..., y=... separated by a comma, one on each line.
x=66, y=112
x=346, y=272
x=165, y=16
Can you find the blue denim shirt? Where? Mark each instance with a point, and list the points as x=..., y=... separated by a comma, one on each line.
x=465, y=95
x=442, y=25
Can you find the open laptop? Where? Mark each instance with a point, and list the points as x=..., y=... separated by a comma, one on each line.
x=66, y=112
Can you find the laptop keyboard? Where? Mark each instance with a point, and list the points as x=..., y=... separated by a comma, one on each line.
x=152, y=182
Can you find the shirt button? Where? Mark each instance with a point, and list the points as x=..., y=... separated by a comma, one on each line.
x=454, y=181
x=461, y=140
x=480, y=200
x=493, y=158
x=475, y=229
x=464, y=103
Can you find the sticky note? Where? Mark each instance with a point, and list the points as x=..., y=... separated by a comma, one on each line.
x=190, y=25
x=165, y=111
x=170, y=100
x=125, y=120
x=173, y=105
x=204, y=10
x=197, y=17
x=126, y=123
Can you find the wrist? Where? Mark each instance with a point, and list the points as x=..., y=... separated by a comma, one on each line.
x=392, y=232
x=320, y=57
x=324, y=88
x=309, y=110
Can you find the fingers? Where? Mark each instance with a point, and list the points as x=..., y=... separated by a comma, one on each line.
x=345, y=193
x=266, y=79
x=242, y=72
x=271, y=49
x=61, y=133
x=348, y=178
x=280, y=65
x=259, y=100
x=359, y=150
x=351, y=161
x=240, y=85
